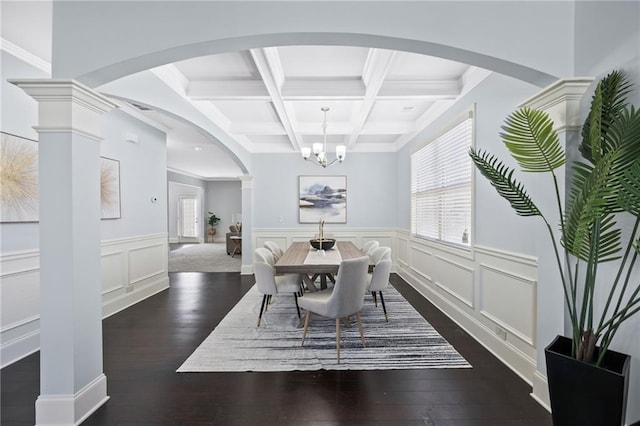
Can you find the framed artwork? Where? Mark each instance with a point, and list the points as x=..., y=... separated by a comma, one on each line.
x=18, y=179
x=322, y=197
x=110, y=188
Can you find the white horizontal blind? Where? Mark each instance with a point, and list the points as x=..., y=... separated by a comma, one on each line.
x=441, y=175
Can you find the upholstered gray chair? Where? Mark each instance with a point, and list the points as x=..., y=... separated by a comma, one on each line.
x=344, y=299
x=274, y=249
x=269, y=284
x=378, y=280
x=369, y=246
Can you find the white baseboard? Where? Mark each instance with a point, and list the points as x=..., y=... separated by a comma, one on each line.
x=541, y=390
x=522, y=365
x=19, y=348
x=137, y=295
x=72, y=409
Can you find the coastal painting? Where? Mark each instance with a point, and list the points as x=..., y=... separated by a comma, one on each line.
x=322, y=197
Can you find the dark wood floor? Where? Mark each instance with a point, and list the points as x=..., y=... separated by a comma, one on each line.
x=145, y=344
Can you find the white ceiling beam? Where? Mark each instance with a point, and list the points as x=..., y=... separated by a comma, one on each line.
x=375, y=71
x=424, y=89
x=227, y=90
x=253, y=128
x=269, y=66
x=340, y=89
x=469, y=80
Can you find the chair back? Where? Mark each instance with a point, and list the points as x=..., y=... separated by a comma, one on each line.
x=264, y=271
x=274, y=249
x=380, y=253
x=348, y=292
x=369, y=246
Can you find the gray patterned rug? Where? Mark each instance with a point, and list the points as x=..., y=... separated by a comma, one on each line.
x=206, y=257
x=406, y=341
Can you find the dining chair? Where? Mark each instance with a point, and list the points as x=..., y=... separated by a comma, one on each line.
x=345, y=299
x=378, y=280
x=274, y=248
x=269, y=284
x=369, y=246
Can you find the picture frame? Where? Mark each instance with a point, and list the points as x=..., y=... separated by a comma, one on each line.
x=322, y=198
x=19, y=198
x=109, y=188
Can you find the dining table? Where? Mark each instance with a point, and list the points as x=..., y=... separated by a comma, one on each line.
x=301, y=258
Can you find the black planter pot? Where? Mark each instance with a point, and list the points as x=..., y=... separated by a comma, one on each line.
x=583, y=394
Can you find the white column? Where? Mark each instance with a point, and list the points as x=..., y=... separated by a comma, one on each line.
x=247, y=225
x=72, y=382
x=561, y=101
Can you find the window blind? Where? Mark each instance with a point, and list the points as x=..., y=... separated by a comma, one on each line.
x=441, y=176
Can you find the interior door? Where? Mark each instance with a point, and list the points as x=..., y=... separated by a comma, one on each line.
x=188, y=218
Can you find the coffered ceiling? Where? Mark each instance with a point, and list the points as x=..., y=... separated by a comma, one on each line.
x=270, y=99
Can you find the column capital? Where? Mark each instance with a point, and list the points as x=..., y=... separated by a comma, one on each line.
x=67, y=106
x=561, y=100
x=247, y=182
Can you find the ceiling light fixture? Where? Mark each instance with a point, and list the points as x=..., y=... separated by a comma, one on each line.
x=197, y=148
x=320, y=149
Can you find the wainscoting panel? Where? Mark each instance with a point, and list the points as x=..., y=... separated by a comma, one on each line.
x=132, y=270
x=517, y=316
x=454, y=278
x=421, y=262
x=490, y=293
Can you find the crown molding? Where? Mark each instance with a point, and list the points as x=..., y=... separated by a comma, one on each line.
x=24, y=55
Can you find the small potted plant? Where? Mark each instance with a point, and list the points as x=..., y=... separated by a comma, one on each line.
x=213, y=222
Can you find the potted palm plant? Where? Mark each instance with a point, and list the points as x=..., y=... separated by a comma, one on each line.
x=213, y=222
x=605, y=184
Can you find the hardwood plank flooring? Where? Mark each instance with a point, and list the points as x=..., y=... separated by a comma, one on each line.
x=145, y=344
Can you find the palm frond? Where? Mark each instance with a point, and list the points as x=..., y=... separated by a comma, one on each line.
x=529, y=136
x=629, y=196
x=589, y=194
x=501, y=177
x=608, y=101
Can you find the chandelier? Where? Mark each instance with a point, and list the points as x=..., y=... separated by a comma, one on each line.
x=320, y=149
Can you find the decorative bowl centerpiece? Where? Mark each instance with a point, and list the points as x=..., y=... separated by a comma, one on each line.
x=327, y=243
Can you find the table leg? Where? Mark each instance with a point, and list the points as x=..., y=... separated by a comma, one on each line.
x=310, y=285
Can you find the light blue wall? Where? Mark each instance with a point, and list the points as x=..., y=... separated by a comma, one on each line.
x=615, y=45
x=143, y=168
x=371, y=189
x=496, y=225
x=224, y=199
x=18, y=115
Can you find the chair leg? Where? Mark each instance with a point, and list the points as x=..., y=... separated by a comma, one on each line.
x=338, y=339
x=384, y=308
x=360, y=328
x=264, y=300
x=306, y=325
x=375, y=299
x=295, y=295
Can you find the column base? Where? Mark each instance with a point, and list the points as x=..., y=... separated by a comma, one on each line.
x=72, y=409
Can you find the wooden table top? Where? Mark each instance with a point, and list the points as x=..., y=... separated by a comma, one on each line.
x=292, y=261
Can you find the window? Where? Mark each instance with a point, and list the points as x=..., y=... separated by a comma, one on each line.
x=441, y=185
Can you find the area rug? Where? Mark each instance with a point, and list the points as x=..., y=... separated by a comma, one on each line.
x=407, y=341
x=206, y=257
